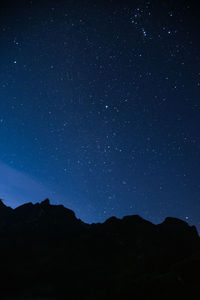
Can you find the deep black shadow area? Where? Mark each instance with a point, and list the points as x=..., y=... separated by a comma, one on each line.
x=46, y=252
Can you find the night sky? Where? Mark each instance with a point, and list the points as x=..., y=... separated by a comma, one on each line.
x=100, y=107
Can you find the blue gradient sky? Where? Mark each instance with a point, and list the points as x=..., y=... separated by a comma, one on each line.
x=99, y=107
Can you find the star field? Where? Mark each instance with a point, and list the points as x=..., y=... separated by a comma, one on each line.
x=100, y=106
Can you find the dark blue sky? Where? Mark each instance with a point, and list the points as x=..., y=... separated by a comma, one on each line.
x=100, y=108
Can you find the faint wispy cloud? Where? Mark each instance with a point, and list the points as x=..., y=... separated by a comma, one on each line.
x=17, y=187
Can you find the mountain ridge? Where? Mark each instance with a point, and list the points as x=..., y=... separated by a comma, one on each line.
x=46, y=203
x=57, y=254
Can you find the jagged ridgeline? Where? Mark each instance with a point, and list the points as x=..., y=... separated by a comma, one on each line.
x=47, y=252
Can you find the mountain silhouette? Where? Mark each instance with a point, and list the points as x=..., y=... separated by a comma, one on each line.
x=47, y=251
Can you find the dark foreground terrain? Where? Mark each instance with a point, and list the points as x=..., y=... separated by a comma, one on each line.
x=47, y=252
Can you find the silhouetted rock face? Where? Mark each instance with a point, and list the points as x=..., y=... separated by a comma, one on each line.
x=34, y=212
x=6, y=214
x=182, y=236
x=40, y=218
x=4, y=208
x=45, y=250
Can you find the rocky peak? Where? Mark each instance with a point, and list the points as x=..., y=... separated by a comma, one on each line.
x=2, y=205
x=45, y=203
